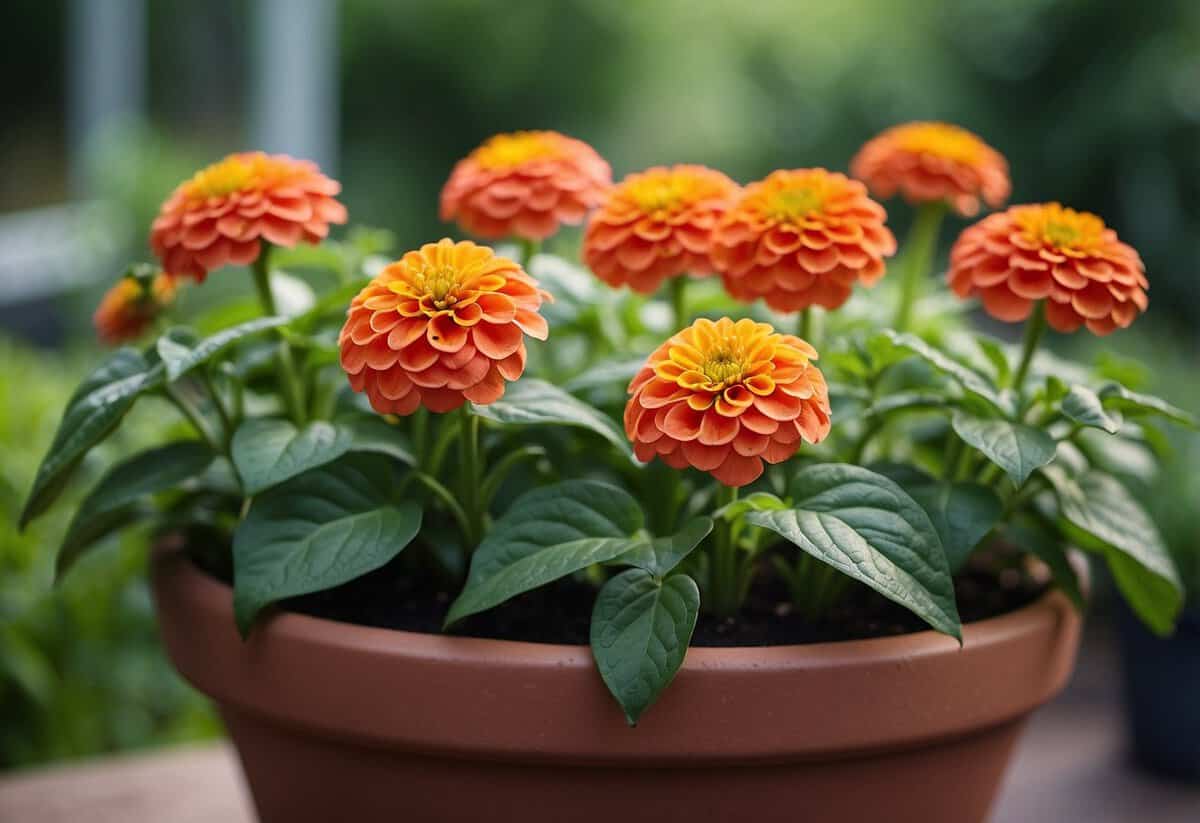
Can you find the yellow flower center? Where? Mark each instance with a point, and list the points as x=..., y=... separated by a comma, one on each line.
x=440, y=284
x=505, y=151
x=724, y=368
x=238, y=172
x=790, y=205
x=1059, y=227
x=940, y=140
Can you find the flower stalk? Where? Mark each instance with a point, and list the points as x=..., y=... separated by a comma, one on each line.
x=293, y=389
x=724, y=577
x=918, y=259
x=1035, y=329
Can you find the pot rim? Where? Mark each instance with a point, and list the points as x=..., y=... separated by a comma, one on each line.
x=519, y=700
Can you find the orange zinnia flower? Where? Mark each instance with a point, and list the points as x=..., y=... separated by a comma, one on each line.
x=223, y=213
x=1046, y=252
x=525, y=184
x=131, y=305
x=655, y=225
x=928, y=162
x=802, y=238
x=439, y=327
x=723, y=397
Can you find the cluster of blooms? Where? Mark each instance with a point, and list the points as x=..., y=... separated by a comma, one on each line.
x=446, y=324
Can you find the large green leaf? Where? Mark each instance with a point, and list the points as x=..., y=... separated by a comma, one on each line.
x=868, y=528
x=92, y=413
x=1085, y=407
x=962, y=513
x=1116, y=396
x=641, y=626
x=318, y=530
x=1018, y=449
x=180, y=354
x=970, y=380
x=1099, y=515
x=608, y=373
x=535, y=402
x=661, y=555
x=371, y=434
x=268, y=451
x=547, y=534
x=110, y=504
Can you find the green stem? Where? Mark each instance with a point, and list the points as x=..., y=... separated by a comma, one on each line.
x=724, y=579
x=529, y=248
x=193, y=416
x=1035, y=328
x=293, y=389
x=226, y=423
x=810, y=325
x=677, y=289
x=918, y=258
x=472, y=474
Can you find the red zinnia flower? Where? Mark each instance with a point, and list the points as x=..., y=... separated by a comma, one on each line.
x=525, y=184
x=1068, y=258
x=441, y=326
x=656, y=224
x=223, y=213
x=723, y=397
x=802, y=238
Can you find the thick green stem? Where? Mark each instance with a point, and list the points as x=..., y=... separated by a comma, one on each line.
x=918, y=259
x=677, y=289
x=809, y=328
x=472, y=477
x=529, y=248
x=724, y=577
x=289, y=376
x=1035, y=328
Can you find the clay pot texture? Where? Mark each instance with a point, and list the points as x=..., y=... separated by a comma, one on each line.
x=341, y=722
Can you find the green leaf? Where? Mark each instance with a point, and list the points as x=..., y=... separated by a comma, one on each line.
x=995, y=352
x=610, y=373
x=640, y=631
x=754, y=502
x=1084, y=406
x=1135, y=404
x=268, y=451
x=373, y=435
x=180, y=357
x=661, y=555
x=969, y=379
x=535, y=402
x=547, y=534
x=868, y=528
x=110, y=503
x=906, y=401
x=1037, y=538
x=962, y=513
x=1099, y=515
x=92, y=413
x=1018, y=449
x=319, y=530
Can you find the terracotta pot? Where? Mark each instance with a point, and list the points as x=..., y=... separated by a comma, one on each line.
x=341, y=722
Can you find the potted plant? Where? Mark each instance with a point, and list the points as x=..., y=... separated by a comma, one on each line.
x=413, y=556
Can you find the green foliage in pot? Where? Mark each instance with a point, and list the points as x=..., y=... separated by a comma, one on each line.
x=497, y=463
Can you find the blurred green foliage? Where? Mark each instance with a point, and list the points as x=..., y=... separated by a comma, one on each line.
x=81, y=670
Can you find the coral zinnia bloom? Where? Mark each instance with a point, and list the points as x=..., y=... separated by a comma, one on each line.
x=723, y=397
x=223, y=212
x=928, y=162
x=802, y=238
x=1068, y=258
x=525, y=184
x=131, y=305
x=656, y=224
x=441, y=326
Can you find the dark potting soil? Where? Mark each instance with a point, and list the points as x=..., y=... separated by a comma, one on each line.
x=398, y=599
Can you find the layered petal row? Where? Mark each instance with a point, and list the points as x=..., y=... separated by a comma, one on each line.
x=802, y=238
x=657, y=224
x=225, y=212
x=1070, y=259
x=129, y=308
x=724, y=396
x=930, y=162
x=525, y=184
x=443, y=325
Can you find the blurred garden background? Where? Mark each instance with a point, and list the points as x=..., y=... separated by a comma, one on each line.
x=108, y=104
